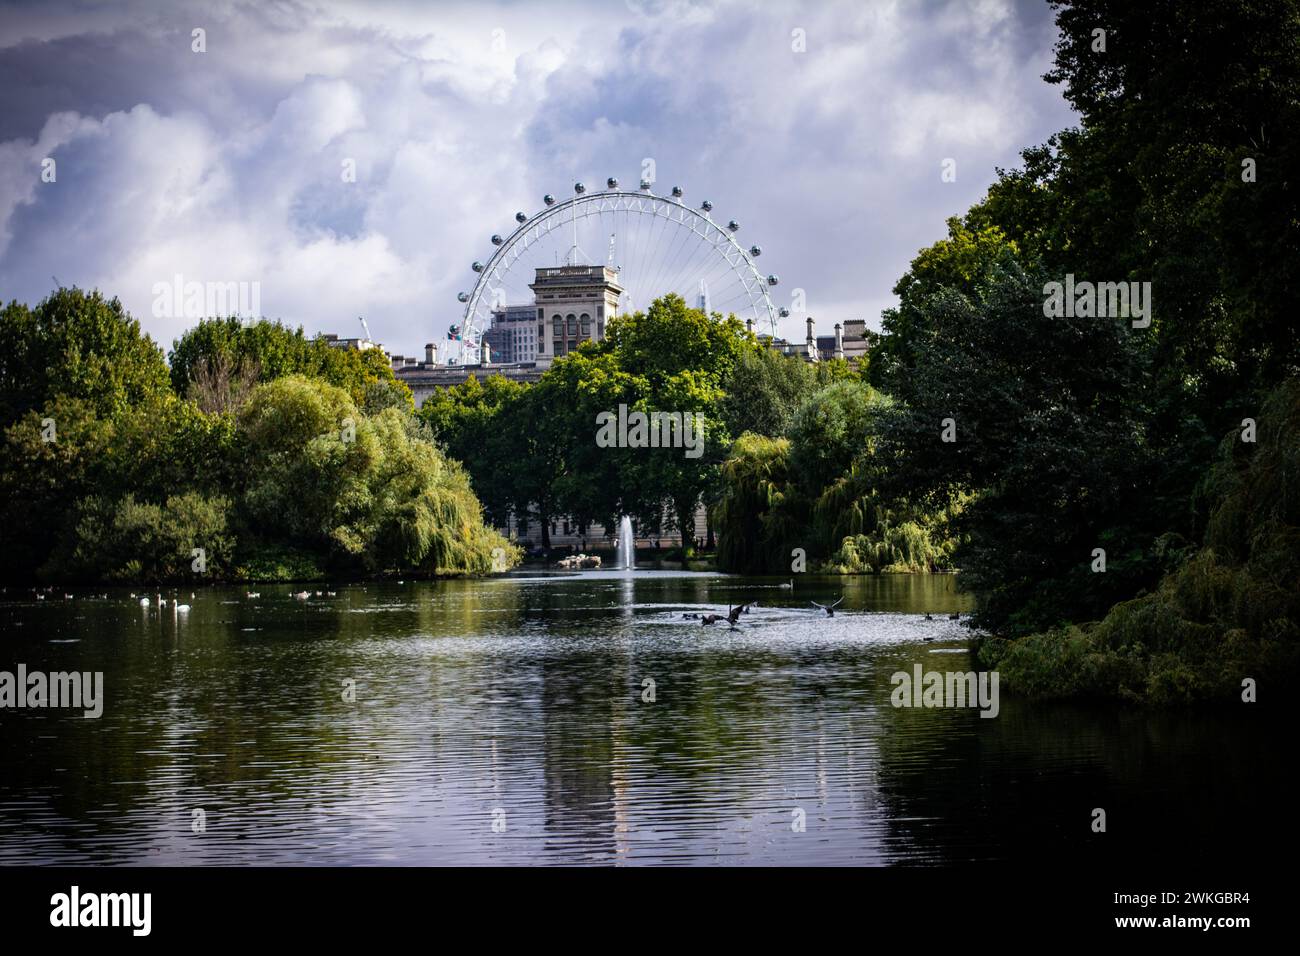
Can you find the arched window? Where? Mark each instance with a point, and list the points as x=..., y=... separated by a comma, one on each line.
x=573, y=323
x=586, y=325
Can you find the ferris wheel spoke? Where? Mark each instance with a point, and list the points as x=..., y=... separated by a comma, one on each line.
x=700, y=254
x=632, y=224
x=680, y=269
x=653, y=231
x=656, y=287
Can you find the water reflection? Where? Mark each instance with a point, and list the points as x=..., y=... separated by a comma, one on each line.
x=508, y=721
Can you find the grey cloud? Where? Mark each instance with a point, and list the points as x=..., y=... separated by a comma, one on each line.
x=229, y=163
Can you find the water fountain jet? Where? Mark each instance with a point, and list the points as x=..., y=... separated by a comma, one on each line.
x=625, y=558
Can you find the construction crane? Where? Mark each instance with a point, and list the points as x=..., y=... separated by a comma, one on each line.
x=366, y=328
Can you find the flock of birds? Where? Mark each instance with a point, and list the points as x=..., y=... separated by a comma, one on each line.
x=733, y=615
x=301, y=595
x=159, y=601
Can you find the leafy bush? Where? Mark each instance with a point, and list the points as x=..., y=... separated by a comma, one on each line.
x=1230, y=612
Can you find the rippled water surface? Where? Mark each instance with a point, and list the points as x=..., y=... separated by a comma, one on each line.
x=508, y=721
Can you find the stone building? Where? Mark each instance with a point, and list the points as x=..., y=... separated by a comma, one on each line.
x=573, y=304
x=850, y=341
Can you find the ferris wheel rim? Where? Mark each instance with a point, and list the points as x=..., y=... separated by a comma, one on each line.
x=642, y=202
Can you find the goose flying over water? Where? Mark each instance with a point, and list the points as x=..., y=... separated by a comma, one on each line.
x=829, y=609
x=731, y=617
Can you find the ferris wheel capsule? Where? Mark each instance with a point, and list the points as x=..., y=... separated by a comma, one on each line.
x=784, y=313
x=521, y=217
x=612, y=183
x=497, y=240
x=548, y=199
x=755, y=250
x=677, y=192
x=477, y=267
x=462, y=296
x=646, y=184
x=733, y=225
x=706, y=205
x=773, y=280
x=579, y=188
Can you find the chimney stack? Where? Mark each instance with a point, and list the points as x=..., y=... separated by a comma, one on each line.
x=487, y=352
x=839, y=341
x=431, y=353
x=812, y=342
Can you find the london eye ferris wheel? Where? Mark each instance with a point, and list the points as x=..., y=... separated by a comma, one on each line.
x=657, y=244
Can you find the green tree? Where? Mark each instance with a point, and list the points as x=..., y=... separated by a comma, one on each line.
x=371, y=493
x=754, y=531
x=132, y=541
x=482, y=425
x=79, y=345
x=763, y=391
x=217, y=356
x=831, y=429
x=41, y=480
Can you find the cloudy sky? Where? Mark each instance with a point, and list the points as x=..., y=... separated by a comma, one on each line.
x=226, y=165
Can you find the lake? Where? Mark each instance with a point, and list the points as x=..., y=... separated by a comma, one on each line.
x=512, y=720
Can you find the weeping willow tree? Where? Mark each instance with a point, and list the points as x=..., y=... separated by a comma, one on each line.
x=870, y=536
x=426, y=514
x=752, y=516
x=816, y=490
x=1229, y=614
x=369, y=491
x=891, y=548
